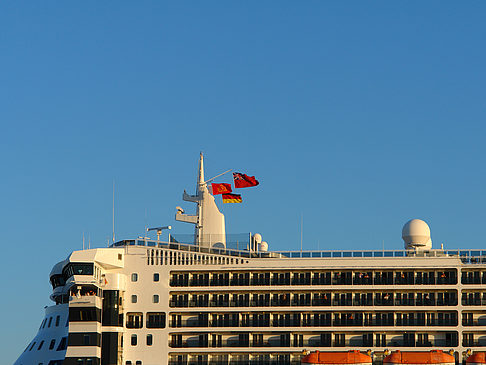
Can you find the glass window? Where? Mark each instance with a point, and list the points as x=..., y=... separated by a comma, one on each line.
x=58, y=318
x=156, y=298
x=149, y=340
x=156, y=276
x=31, y=347
x=52, y=344
x=86, y=340
x=134, y=320
x=134, y=277
x=40, y=345
x=62, y=344
x=50, y=322
x=128, y=363
x=138, y=362
x=89, y=362
x=134, y=298
x=156, y=320
x=134, y=340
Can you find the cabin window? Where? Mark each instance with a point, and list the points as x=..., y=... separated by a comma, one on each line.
x=149, y=340
x=52, y=344
x=62, y=344
x=134, y=298
x=58, y=318
x=134, y=277
x=50, y=322
x=156, y=298
x=134, y=340
x=156, y=320
x=31, y=347
x=40, y=345
x=134, y=320
x=156, y=276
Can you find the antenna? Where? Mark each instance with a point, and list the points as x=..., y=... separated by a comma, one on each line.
x=301, y=229
x=113, y=210
x=89, y=241
x=83, y=241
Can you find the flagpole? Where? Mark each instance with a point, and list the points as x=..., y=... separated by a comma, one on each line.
x=217, y=176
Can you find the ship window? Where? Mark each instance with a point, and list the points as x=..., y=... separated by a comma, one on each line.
x=138, y=362
x=31, y=347
x=40, y=345
x=134, y=277
x=149, y=340
x=58, y=318
x=156, y=276
x=134, y=340
x=134, y=298
x=62, y=344
x=77, y=269
x=50, y=322
x=134, y=320
x=89, y=361
x=128, y=363
x=156, y=320
x=52, y=344
x=156, y=298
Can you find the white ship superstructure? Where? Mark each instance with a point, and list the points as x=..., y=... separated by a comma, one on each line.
x=210, y=301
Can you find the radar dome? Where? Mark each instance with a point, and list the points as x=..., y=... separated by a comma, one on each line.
x=416, y=235
x=258, y=238
x=263, y=246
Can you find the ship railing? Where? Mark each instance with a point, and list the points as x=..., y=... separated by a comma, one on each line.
x=239, y=249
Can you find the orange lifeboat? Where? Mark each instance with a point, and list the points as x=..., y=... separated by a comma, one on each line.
x=477, y=358
x=342, y=357
x=419, y=357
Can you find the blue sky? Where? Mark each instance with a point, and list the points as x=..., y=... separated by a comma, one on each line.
x=356, y=115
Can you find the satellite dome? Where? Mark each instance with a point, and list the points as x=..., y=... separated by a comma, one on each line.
x=258, y=238
x=416, y=235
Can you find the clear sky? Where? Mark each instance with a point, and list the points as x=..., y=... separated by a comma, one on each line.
x=357, y=115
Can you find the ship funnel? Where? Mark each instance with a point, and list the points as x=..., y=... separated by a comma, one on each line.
x=416, y=235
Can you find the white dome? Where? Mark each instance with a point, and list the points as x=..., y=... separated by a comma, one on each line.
x=258, y=238
x=416, y=234
x=263, y=247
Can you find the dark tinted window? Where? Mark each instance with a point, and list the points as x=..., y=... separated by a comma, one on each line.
x=134, y=340
x=149, y=340
x=62, y=344
x=40, y=345
x=52, y=344
x=77, y=269
x=156, y=276
x=156, y=320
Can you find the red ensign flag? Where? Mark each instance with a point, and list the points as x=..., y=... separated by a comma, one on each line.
x=244, y=181
x=221, y=188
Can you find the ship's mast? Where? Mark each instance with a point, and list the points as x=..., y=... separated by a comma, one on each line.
x=209, y=221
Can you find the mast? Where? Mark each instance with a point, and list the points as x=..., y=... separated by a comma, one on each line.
x=209, y=221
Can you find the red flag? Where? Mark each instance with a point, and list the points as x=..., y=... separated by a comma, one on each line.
x=244, y=181
x=232, y=198
x=221, y=188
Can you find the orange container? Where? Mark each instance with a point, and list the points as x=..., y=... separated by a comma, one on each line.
x=419, y=357
x=341, y=357
x=477, y=358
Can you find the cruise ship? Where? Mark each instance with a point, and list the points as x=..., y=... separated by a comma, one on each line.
x=218, y=299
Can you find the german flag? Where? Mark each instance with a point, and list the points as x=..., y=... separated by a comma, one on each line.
x=232, y=198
